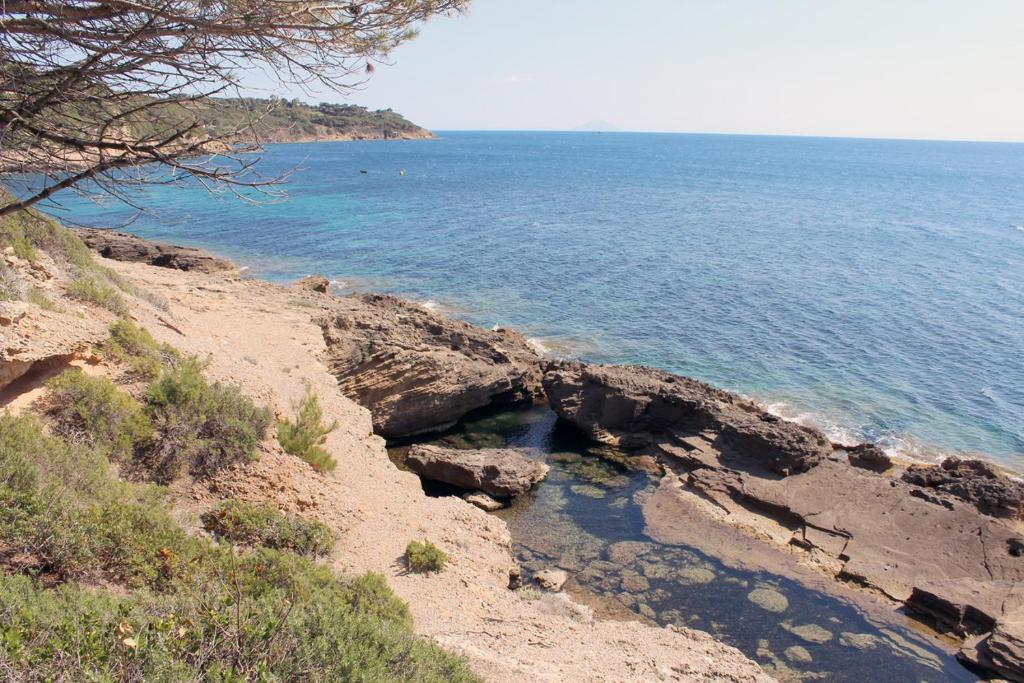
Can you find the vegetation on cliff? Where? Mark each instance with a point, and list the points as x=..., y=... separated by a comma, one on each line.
x=288, y=120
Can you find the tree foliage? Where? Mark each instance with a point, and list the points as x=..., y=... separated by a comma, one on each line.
x=101, y=94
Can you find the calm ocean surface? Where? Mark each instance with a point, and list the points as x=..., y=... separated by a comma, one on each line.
x=875, y=288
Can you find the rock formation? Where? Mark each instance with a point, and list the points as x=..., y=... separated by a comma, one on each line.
x=417, y=371
x=313, y=283
x=869, y=457
x=32, y=337
x=121, y=246
x=632, y=407
x=974, y=481
x=499, y=472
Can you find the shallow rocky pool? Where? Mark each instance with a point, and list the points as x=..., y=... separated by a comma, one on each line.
x=586, y=519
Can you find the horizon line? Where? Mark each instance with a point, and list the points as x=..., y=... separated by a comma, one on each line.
x=725, y=134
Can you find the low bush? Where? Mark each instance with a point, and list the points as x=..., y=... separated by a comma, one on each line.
x=203, y=428
x=262, y=617
x=303, y=437
x=180, y=609
x=95, y=290
x=94, y=411
x=68, y=518
x=254, y=525
x=424, y=557
x=135, y=348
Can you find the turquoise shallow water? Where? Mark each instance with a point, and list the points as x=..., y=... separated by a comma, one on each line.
x=873, y=287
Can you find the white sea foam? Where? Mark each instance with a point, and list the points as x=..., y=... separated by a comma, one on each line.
x=538, y=345
x=900, y=447
x=431, y=305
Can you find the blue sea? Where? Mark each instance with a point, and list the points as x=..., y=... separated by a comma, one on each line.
x=873, y=288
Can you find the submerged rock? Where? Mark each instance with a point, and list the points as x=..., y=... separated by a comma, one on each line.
x=973, y=481
x=633, y=407
x=811, y=633
x=121, y=246
x=417, y=371
x=769, y=599
x=499, y=472
x=483, y=501
x=797, y=654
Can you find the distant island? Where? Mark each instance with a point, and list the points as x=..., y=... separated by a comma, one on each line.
x=596, y=127
x=296, y=121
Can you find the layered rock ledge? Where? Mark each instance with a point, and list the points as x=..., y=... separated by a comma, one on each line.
x=121, y=246
x=417, y=371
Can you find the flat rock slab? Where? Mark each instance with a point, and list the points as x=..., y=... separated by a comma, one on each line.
x=417, y=371
x=121, y=246
x=498, y=472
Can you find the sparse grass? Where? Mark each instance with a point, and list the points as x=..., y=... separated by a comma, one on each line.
x=203, y=428
x=135, y=347
x=303, y=437
x=93, y=411
x=92, y=289
x=38, y=297
x=425, y=557
x=11, y=286
x=168, y=606
x=254, y=525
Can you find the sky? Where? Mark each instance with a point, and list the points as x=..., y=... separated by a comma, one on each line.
x=922, y=69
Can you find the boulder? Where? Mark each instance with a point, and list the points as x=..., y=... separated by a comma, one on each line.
x=973, y=481
x=868, y=456
x=417, y=371
x=313, y=283
x=550, y=579
x=632, y=407
x=499, y=472
x=121, y=246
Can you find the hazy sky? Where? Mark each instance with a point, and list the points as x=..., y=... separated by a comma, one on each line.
x=874, y=68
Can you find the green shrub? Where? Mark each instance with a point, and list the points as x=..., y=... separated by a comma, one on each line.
x=135, y=347
x=63, y=511
x=98, y=413
x=262, y=525
x=304, y=436
x=191, y=611
x=93, y=289
x=203, y=428
x=267, y=616
x=424, y=557
x=29, y=230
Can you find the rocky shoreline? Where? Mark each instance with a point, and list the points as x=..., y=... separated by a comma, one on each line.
x=944, y=542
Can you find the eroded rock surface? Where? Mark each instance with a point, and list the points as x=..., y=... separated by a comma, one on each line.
x=31, y=335
x=633, y=406
x=500, y=472
x=313, y=283
x=121, y=246
x=974, y=481
x=417, y=371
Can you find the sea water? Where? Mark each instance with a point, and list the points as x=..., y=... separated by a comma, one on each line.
x=873, y=288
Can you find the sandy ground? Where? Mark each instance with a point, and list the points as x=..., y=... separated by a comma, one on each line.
x=262, y=337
